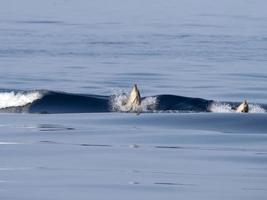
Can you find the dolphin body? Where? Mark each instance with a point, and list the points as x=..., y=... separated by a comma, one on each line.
x=243, y=107
x=133, y=101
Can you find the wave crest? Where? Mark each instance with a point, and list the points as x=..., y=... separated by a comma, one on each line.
x=43, y=101
x=15, y=99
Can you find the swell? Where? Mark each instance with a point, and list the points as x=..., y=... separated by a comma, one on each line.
x=50, y=102
x=182, y=104
x=57, y=102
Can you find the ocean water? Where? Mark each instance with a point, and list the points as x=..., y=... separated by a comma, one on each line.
x=66, y=66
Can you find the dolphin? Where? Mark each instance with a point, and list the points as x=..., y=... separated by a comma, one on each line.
x=133, y=100
x=243, y=107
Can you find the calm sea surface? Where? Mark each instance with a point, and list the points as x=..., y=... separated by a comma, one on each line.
x=208, y=49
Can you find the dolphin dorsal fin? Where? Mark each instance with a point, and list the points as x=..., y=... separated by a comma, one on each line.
x=134, y=98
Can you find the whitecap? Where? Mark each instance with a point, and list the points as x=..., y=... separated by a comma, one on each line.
x=14, y=99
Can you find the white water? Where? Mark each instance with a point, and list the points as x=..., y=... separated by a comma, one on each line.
x=118, y=103
x=13, y=99
x=254, y=108
x=218, y=107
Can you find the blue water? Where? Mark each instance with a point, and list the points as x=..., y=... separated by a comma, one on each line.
x=85, y=52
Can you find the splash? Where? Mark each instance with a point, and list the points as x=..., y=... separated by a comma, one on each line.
x=15, y=99
x=218, y=107
x=254, y=108
x=148, y=104
x=118, y=101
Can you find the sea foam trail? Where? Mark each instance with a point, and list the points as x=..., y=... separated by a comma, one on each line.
x=15, y=99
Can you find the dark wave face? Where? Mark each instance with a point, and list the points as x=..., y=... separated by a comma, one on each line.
x=55, y=102
x=180, y=103
x=60, y=102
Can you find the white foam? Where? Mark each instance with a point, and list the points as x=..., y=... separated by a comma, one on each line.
x=148, y=104
x=118, y=103
x=254, y=108
x=14, y=99
x=218, y=107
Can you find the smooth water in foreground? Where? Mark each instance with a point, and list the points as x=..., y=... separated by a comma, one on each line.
x=124, y=156
x=64, y=68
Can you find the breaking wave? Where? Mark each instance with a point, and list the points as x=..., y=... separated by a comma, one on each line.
x=14, y=99
x=41, y=101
